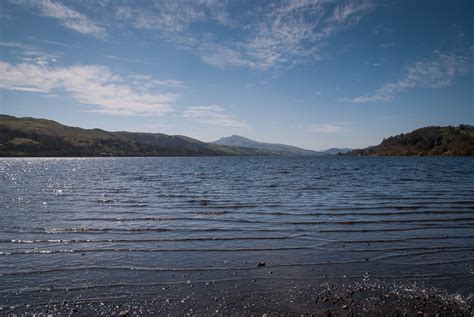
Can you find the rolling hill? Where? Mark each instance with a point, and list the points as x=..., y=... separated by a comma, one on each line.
x=431, y=141
x=41, y=137
x=335, y=151
x=274, y=148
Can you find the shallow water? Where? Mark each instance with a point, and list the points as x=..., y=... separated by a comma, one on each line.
x=104, y=228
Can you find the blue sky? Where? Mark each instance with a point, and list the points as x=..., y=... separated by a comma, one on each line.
x=315, y=74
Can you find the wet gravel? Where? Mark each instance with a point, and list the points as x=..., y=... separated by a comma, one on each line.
x=329, y=298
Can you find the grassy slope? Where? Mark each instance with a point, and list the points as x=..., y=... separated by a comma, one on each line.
x=41, y=137
x=274, y=148
x=74, y=135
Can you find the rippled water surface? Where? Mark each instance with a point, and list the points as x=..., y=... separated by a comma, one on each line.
x=103, y=228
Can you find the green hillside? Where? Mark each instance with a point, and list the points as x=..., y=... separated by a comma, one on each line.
x=41, y=137
x=432, y=141
x=274, y=148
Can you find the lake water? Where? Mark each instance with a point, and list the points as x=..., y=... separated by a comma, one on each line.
x=103, y=229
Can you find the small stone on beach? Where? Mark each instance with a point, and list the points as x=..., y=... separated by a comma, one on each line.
x=124, y=313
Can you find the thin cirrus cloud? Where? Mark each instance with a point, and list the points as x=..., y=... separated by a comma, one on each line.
x=271, y=35
x=266, y=36
x=213, y=115
x=95, y=85
x=54, y=42
x=130, y=60
x=285, y=34
x=172, y=16
x=436, y=72
x=150, y=82
x=328, y=128
x=26, y=52
x=69, y=17
x=351, y=12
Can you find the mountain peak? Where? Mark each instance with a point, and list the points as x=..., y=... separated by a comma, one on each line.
x=277, y=149
x=233, y=138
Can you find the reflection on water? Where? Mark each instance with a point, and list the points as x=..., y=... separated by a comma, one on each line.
x=126, y=226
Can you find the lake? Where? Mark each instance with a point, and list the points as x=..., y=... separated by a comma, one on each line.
x=208, y=235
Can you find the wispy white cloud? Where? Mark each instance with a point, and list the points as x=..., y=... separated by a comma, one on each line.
x=69, y=17
x=437, y=72
x=76, y=45
x=272, y=34
x=130, y=60
x=14, y=45
x=350, y=12
x=213, y=115
x=288, y=33
x=172, y=16
x=30, y=53
x=269, y=35
x=285, y=33
x=221, y=56
x=328, y=128
x=4, y=15
x=88, y=84
x=150, y=82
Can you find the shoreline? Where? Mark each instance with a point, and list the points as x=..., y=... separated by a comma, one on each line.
x=330, y=297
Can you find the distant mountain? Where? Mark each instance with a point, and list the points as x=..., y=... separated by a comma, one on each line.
x=433, y=141
x=335, y=151
x=274, y=148
x=41, y=137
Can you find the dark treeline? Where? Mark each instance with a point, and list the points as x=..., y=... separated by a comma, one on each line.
x=433, y=141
